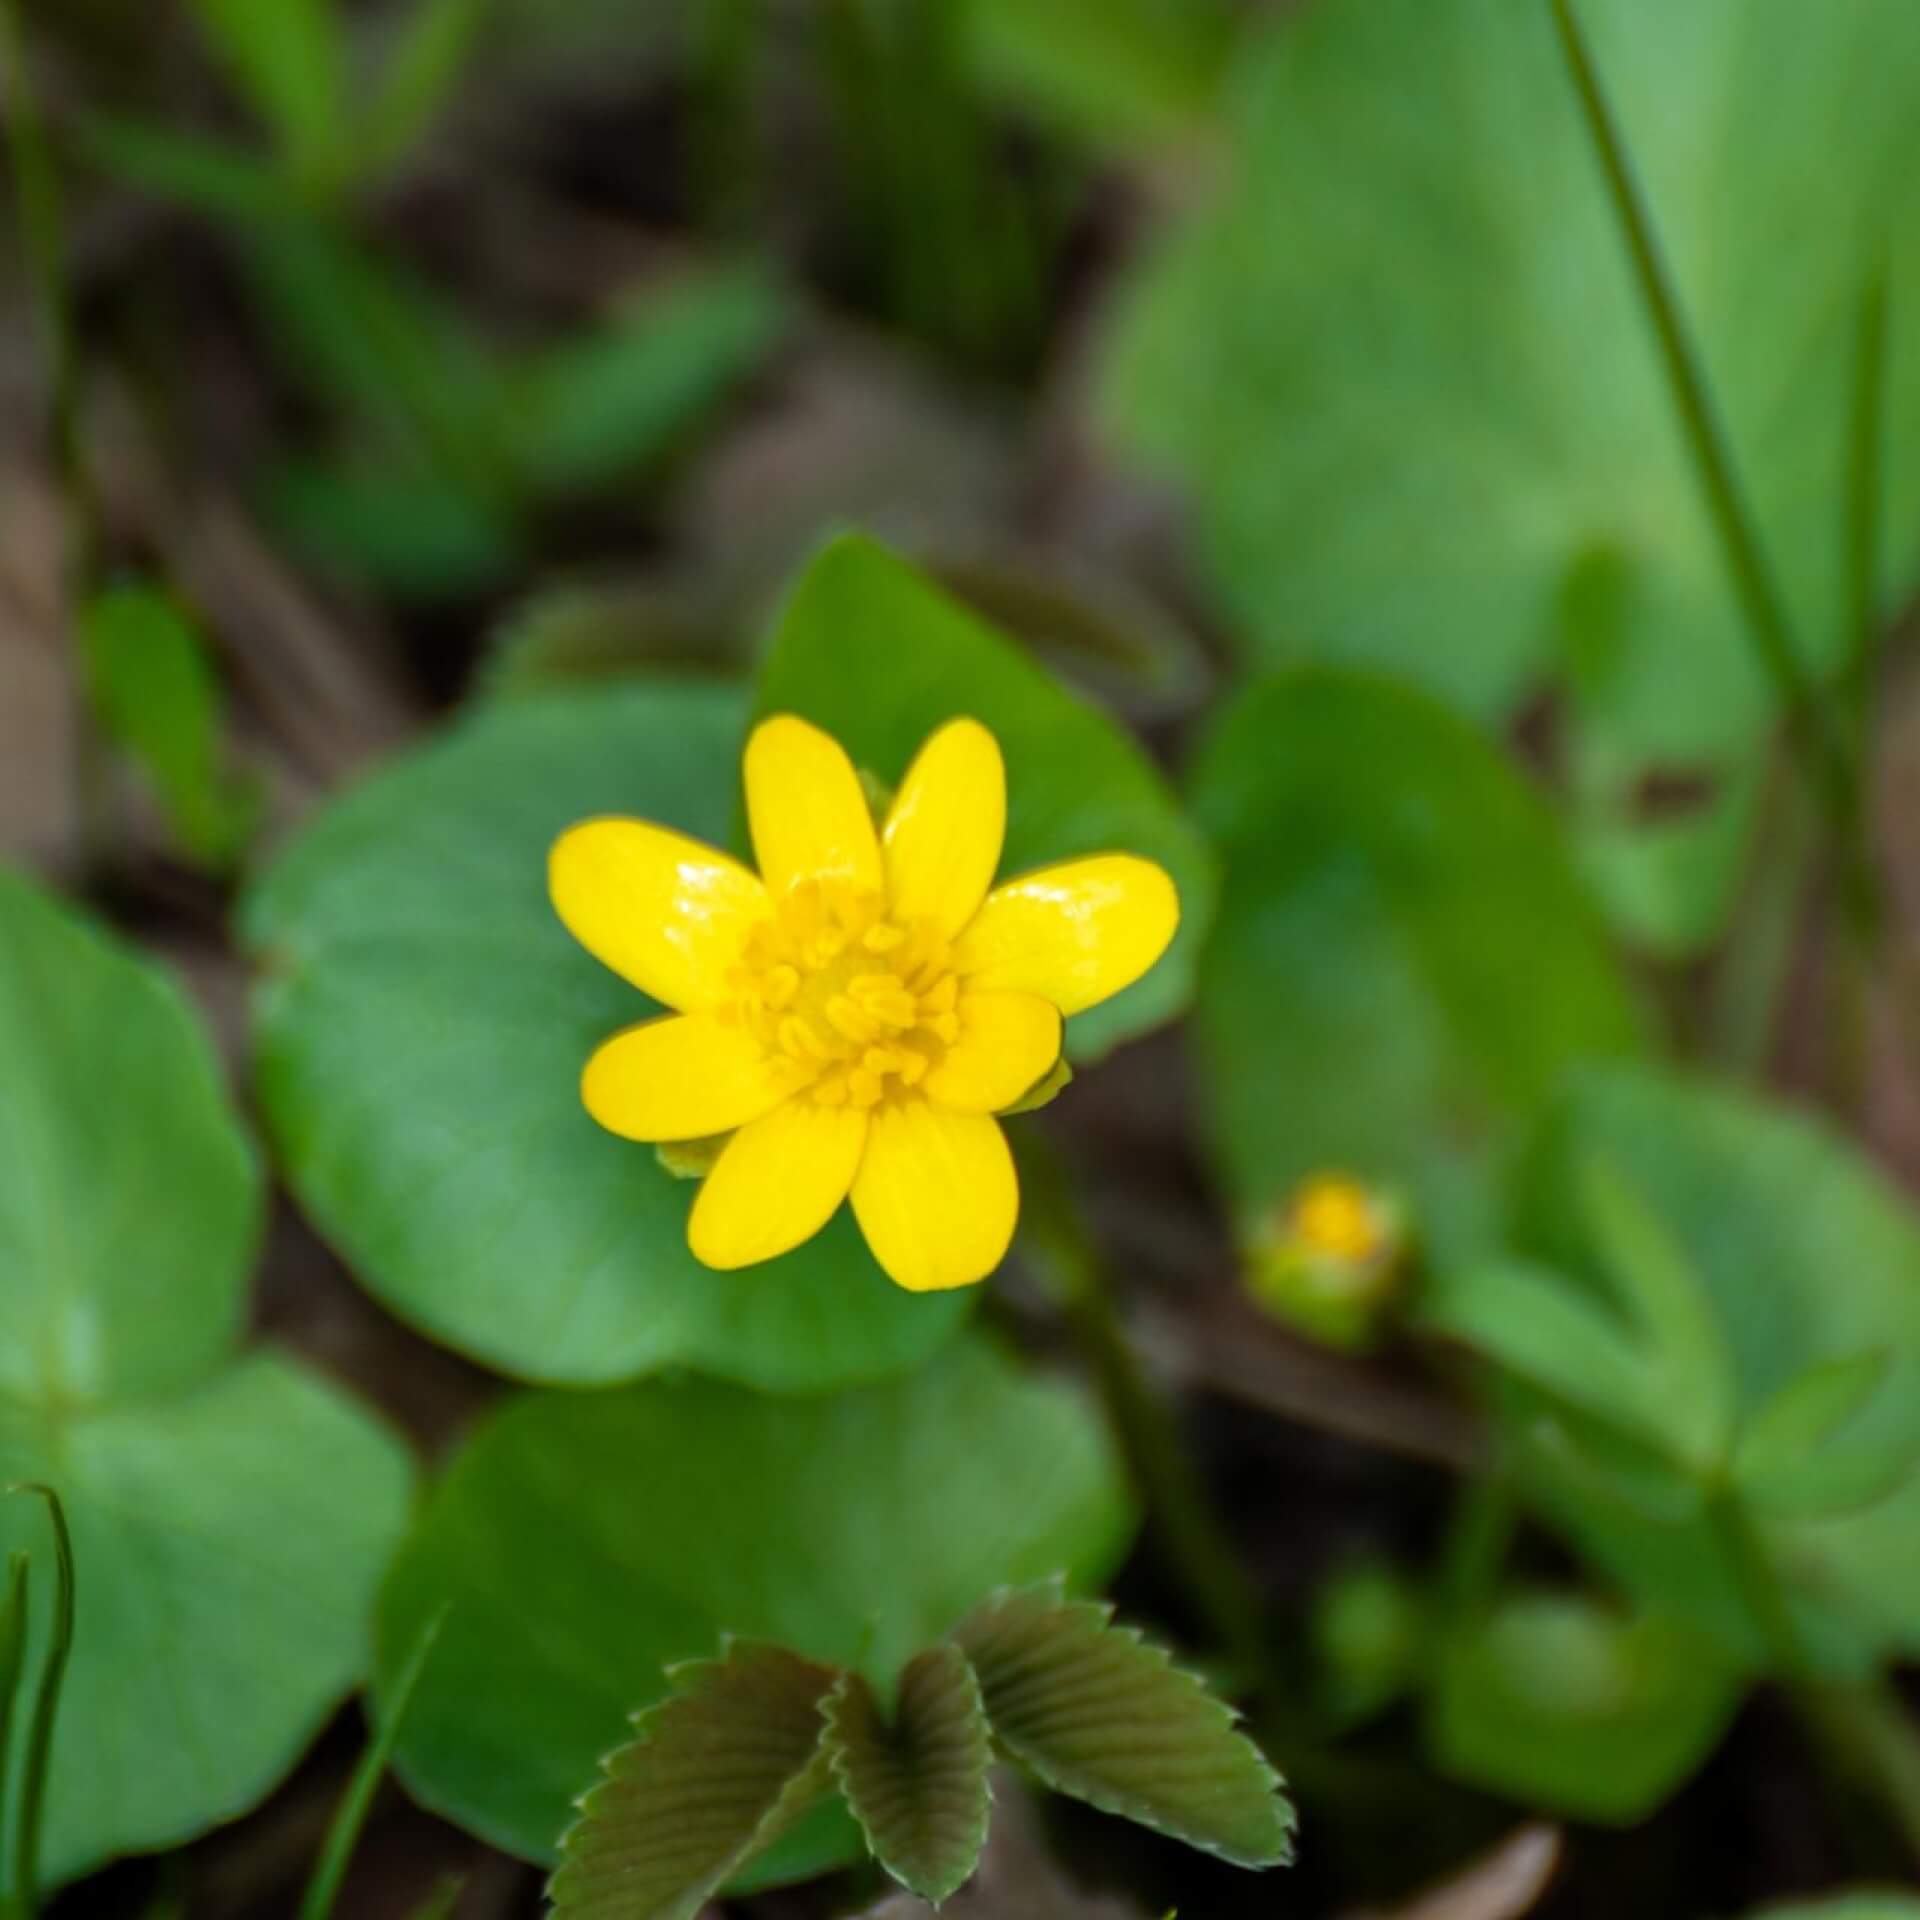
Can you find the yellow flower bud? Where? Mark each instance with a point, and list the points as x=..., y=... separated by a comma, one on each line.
x=1330, y=1259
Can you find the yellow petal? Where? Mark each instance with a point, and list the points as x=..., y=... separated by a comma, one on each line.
x=945, y=828
x=1075, y=934
x=777, y=1183
x=680, y=1078
x=936, y=1195
x=664, y=911
x=1008, y=1044
x=808, y=813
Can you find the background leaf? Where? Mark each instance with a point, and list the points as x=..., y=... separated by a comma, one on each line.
x=289, y=59
x=1405, y=963
x=230, y=1517
x=721, y=1767
x=158, y=697
x=422, y=1026
x=1092, y=1710
x=870, y=650
x=916, y=1778
x=1559, y=1702
x=1807, y=1258
x=1415, y=398
x=852, y=1530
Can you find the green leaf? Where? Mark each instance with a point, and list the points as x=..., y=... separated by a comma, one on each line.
x=721, y=1767
x=594, y=410
x=1807, y=1259
x=1094, y=1711
x=421, y=72
x=154, y=687
x=129, y=1200
x=224, y=1583
x=1788, y=1463
x=1115, y=71
x=917, y=1781
x=1405, y=963
x=1689, y=1362
x=423, y=1020
x=192, y=170
x=1558, y=1702
x=1393, y=468
x=289, y=58
x=851, y=1529
x=869, y=650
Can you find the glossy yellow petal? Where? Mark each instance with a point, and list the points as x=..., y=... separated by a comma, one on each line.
x=777, y=1183
x=945, y=828
x=1075, y=934
x=806, y=807
x=680, y=1078
x=936, y=1195
x=1008, y=1044
x=664, y=911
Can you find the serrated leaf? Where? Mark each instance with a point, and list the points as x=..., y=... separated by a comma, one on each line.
x=721, y=1768
x=1094, y=1711
x=917, y=1783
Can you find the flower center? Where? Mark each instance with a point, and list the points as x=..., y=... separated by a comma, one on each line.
x=856, y=1006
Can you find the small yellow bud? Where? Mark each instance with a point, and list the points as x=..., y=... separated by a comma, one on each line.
x=1330, y=1259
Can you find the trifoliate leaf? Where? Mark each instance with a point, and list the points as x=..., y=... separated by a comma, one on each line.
x=917, y=1783
x=1094, y=1711
x=721, y=1768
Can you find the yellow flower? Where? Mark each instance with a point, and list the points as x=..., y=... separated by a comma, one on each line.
x=856, y=1015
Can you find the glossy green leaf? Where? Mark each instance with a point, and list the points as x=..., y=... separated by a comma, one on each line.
x=158, y=696
x=916, y=1776
x=722, y=1767
x=289, y=58
x=852, y=1530
x=1807, y=1259
x=1094, y=1711
x=594, y=410
x=1558, y=1702
x=225, y=1584
x=1412, y=391
x=423, y=1020
x=1405, y=963
x=869, y=650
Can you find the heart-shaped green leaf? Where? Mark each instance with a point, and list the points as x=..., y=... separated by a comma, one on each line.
x=1807, y=1259
x=224, y=1583
x=722, y=1767
x=1556, y=1701
x=1404, y=370
x=587, y=1541
x=1404, y=964
x=1792, y=1459
x=423, y=1021
x=917, y=1779
x=1094, y=1711
x=871, y=651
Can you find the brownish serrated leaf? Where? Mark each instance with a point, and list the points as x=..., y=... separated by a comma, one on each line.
x=918, y=1783
x=721, y=1768
x=1094, y=1711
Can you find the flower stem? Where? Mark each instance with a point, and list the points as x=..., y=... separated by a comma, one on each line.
x=1055, y=1238
x=1862, y=1725
x=1829, y=765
